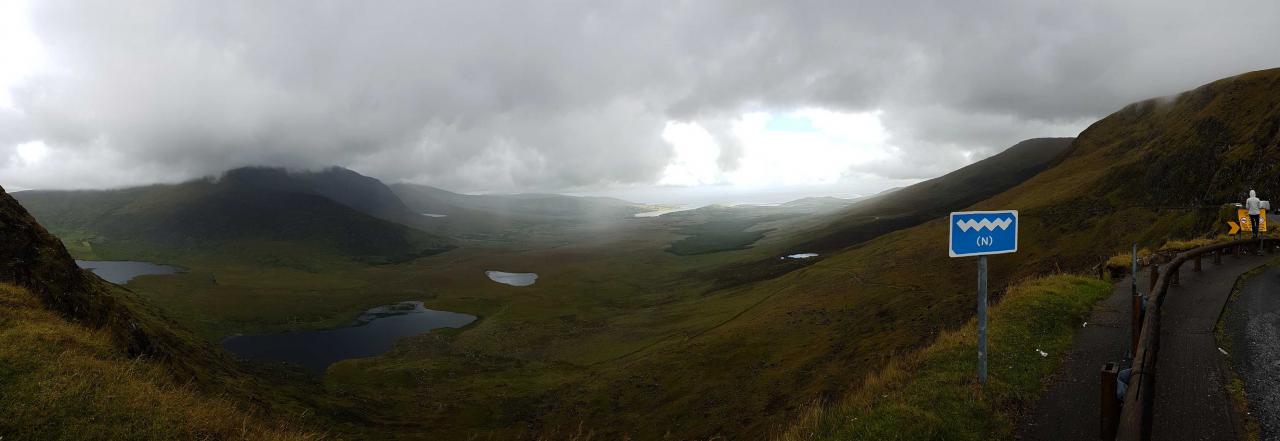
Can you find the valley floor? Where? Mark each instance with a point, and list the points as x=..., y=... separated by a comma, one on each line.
x=601, y=299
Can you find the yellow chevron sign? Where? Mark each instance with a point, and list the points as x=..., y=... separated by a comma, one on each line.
x=1235, y=228
x=1243, y=216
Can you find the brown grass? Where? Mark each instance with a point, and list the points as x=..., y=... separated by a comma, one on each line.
x=60, y=380
x=932, y=393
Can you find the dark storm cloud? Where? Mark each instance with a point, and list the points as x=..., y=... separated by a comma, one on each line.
x=498, y=95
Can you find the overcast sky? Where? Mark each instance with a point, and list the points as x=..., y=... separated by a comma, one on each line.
x=585, y=95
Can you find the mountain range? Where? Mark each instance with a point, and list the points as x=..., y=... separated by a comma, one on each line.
x=686, y=355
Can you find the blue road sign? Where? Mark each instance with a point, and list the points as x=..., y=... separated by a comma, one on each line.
x=978, y=233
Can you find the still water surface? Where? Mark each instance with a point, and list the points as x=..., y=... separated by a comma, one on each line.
x=121, y=271
x=373, y=333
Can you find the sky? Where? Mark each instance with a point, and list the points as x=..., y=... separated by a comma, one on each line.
x=618, y=97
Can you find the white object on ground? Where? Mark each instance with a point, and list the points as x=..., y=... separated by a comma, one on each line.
x=1042, y=353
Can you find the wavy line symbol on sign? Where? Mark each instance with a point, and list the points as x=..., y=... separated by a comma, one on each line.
x=984, y=224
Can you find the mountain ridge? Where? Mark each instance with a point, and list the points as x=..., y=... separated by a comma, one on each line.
x=817, y=330
x=261, y=205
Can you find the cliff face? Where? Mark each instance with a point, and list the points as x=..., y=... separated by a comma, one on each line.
x=32, y=258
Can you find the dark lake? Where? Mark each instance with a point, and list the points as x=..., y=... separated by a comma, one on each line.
x=121, y=271
x=373, y=333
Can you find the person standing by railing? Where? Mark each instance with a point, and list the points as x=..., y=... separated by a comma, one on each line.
x=1254, y=205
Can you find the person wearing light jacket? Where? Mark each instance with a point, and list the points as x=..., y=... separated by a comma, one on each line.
x=1254, y=205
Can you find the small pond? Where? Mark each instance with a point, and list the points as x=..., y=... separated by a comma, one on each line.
x=513, y=279
x=373, y=333
x=656, y=213
x=121, y=271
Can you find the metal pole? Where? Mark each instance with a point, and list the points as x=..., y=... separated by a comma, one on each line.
x=1134, y=272
x=1135, y=322
x=982, y=319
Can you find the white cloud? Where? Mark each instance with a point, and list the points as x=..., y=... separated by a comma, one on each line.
x=822, y=155
x=504, y=95
x=21, y=53
x=804, y=147
x=31, y=152
x=696, y=156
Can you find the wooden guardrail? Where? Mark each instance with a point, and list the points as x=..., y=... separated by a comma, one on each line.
x=1135, y=417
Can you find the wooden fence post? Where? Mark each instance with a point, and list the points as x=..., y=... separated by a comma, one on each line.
x=1107, y=401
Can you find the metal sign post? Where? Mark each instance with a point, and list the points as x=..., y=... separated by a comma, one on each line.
x=982, y=233
x=982, y=319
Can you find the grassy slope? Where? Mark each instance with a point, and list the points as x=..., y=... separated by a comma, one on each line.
x=75, y=346
x=890, y=210
x=600, y=340
x=511, y=218
x=1153, y=171
x=426, y=199
x=910, y=206
x=932, y=394
x=60, y=380
x=279, y=219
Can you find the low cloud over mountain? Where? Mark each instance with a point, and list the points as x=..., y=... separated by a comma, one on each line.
x=500, y=95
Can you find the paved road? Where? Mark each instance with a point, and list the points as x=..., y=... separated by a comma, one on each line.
x=1190, y=399
x=1254, y=328
x=1069, y=409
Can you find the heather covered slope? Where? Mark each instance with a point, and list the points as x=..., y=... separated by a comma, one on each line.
x=84, y=359
x=427, y=199
x=509, y=217
x=33, y=259
x=908, y=207
x=271, y=214
x=1153, y=171
x=62, y=380
x=894, y=209
x=614, y=342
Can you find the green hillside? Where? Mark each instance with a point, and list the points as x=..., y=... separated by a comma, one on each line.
x=427, y=199
x=912, y=205
x=1156, y=169
x=837, y=224
x=61, y=380
x=509, y=217
x=931, y=393
x=266, y=214
x=84, y=359
x=1152, y=171
x=621, y=338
